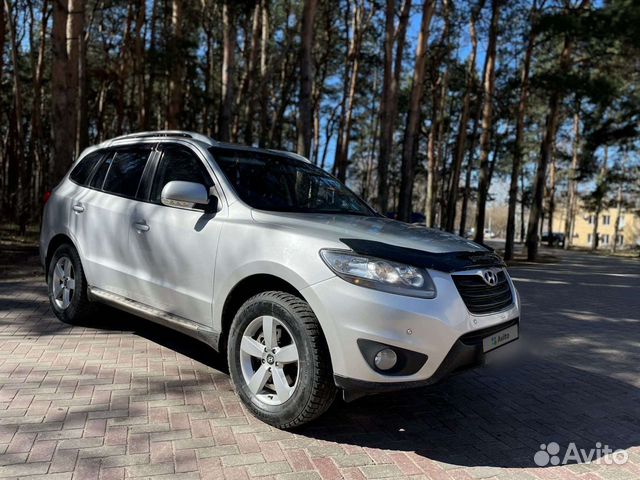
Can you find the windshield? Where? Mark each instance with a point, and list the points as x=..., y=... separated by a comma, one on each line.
x=278, y=183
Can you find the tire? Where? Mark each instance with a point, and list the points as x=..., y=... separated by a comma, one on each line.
x=309, y=389
x=79, y=308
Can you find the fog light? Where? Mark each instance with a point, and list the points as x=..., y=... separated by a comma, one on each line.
x=385, y=359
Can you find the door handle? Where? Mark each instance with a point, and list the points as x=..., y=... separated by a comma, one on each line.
x=141, y=226
x=78, y=208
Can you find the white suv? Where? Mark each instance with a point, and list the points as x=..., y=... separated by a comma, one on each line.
x=262, y=255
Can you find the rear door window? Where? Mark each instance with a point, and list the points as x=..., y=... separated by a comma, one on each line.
x=82, y=171
x=101, y=172
x=125, y=171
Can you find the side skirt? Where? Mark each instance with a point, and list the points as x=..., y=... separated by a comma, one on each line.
x=161, y=317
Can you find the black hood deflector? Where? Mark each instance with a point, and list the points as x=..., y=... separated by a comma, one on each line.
x=445, y=262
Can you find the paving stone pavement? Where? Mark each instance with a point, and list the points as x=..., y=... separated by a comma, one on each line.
x=121, y=397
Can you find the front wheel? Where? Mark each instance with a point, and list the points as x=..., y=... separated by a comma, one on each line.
x=279, y=361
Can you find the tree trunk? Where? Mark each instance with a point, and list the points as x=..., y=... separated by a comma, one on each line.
x=385, y=108
x=616, y=225
x=123, y=75
x=430, y=200
x=518, y=143
x=413, y=117
x=522, y=205
x=388, y=103
x=569, y=221
x=176, y=70
x=140, y=61
x=546, y=148
x=461, y=139
x=436, y=155
x=228, y=71
x=18, y=159
x=75, y=33
x=552, y=200
x=441, y=144
x=247, y=87
x=374, y=119
x=467, y=178
x=68, y=18
x=305, y=115
x=264, y=75
x=351, y=79
x=485, y=147
x=82, y=133
x=2, y=38
x=600, y=193
x=594, y=232
x=38, y=141
x=149, y=87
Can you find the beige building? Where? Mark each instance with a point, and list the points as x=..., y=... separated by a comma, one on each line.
x=628, y=235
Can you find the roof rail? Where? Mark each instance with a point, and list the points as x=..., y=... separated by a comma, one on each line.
x=166, y=133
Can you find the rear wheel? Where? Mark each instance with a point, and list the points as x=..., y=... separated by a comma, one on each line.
x=279, y=361
x=68, y=287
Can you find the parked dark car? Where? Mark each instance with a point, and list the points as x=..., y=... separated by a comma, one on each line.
x=557, y=240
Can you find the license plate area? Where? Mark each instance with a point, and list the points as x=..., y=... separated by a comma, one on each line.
x=500, y=338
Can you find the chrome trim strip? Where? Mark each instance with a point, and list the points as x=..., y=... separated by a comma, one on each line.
x=166, y=319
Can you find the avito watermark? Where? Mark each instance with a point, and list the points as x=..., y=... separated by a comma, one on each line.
x=549, y=454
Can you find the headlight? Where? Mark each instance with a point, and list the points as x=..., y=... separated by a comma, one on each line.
x=380, y=274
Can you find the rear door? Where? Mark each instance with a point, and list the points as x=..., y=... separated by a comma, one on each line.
x=79, y=214
x=173, y=249
x=102, y=213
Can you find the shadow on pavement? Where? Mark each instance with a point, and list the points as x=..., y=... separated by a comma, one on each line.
x=497, y=416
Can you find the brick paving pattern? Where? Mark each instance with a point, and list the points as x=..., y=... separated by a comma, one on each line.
x=124, y=398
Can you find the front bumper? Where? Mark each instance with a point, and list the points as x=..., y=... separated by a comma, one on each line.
x=439, y=329
x=465, y=353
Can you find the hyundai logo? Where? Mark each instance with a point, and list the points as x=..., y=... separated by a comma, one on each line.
x=490, y=278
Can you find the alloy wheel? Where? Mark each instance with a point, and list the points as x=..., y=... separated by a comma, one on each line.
x=269, y=360
x=63, y=283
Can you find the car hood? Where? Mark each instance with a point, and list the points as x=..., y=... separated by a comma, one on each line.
x=333, y=228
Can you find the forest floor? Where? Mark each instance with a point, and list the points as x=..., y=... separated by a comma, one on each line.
x=121, y=397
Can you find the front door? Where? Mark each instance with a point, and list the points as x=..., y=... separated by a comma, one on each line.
x=173, y=249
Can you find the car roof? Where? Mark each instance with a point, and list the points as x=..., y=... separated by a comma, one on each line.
x=194, y=137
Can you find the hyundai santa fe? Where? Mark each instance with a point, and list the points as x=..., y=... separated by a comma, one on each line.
x=271, y=260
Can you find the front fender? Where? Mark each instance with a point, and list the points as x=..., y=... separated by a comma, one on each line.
x=223, y=289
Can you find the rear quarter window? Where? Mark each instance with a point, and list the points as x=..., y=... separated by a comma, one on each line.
x=82, y=171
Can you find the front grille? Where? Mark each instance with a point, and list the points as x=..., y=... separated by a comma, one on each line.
x=481, y=298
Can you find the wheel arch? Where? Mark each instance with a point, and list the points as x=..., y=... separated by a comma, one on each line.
x=245, y=289
x=54, y=243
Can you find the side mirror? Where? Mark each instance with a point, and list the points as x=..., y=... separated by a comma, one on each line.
x=187, y=195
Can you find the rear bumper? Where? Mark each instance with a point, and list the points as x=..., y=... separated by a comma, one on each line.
x=465, y=353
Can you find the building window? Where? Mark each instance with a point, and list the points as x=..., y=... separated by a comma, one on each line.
x=606, y=219
x=620, y=239
x=621, y=222
x=604, y=239
x=590, y=219
x=589, y=238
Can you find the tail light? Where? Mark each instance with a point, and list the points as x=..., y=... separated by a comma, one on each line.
x=45, y=198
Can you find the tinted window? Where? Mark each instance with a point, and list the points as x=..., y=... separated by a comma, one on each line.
x=81, y=172
x=279, y=183
x=101, y=172
x=179, y=163
x=125, y=172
